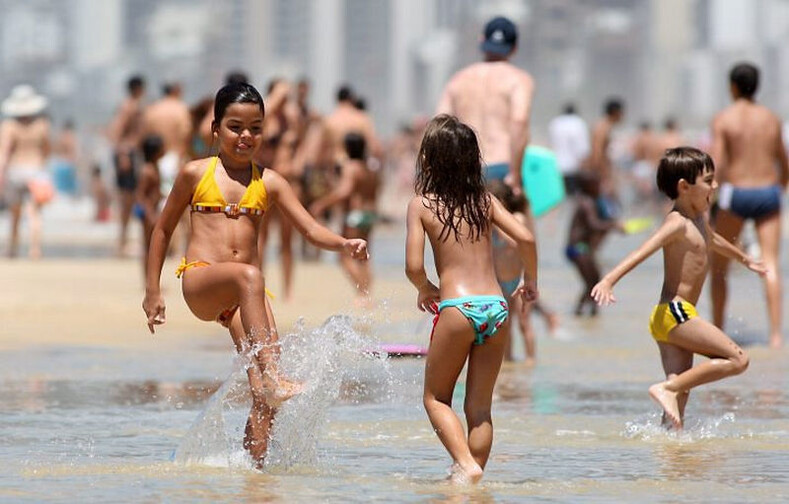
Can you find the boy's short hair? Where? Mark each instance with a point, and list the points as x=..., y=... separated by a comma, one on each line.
x=745, y=77
x=504, y=193
x=152, y=148
x=589, y=183
x=355, y=146
x=613, y=106
x=681, y=163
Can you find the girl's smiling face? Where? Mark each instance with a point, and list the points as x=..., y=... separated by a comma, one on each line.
x=240, y=132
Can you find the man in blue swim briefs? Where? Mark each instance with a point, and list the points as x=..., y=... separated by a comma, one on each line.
x=753, y=173
x=494, y=97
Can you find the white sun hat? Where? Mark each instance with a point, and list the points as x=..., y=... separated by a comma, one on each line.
x=23, y=102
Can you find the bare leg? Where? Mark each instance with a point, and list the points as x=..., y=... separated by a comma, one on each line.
x=286, y=254
x=34, y=217
x=522, y=312
x=484, y=364
x=590, y=273
x=698, y=336
x=769, y=233
x=676, y=361
x=359, y=272
x=729, y=227
x=261, y=415
x=452, y=340
x=126, y=202
x=16, y=217
x=209, y=290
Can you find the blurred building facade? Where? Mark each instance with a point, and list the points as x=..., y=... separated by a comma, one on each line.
x=664, y=57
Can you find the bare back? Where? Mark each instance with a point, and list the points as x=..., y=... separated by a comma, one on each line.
x=490, y=97
x=464, y=266
x=365, y=186
x=347, y=119
x=747, y=146
x=686, y=259
x=26, y=142
x=127, y=125
x=169, y=118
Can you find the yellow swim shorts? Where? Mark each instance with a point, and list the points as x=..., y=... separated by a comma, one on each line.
x=667, y=316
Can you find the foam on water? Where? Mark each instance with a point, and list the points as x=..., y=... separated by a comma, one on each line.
x=332, y=361
x=650, y=428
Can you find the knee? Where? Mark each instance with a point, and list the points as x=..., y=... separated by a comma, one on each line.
x=476, y=414
x=740, y=362
x=250, y=280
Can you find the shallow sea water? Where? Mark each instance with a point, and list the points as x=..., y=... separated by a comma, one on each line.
x=97, y=424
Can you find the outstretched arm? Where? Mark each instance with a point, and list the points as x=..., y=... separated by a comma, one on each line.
x=428, y=295
x=672, y=228
x=524, y=240
x=722, y=246
x=313, y=231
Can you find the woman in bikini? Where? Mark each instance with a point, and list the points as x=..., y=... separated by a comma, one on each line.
x=457, y=214
x=222, y=280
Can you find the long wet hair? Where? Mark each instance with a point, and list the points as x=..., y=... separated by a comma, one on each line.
x=236, y=92
x=449, y=176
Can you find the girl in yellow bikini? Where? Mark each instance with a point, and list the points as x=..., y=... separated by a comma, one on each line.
x=222, y=280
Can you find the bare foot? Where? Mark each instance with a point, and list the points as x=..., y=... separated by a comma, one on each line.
x=668, y=401
x=776, y=341
x=278, y=390
x=460, y=475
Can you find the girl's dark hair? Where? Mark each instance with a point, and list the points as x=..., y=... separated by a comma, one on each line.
x=237, y=92
x=681, y=163
x=449, y=176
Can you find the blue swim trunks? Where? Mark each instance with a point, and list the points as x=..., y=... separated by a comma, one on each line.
x=486, y=314
x=750, y=202
x=497, y=171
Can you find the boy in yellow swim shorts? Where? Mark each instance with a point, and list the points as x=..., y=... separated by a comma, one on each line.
x=687, y=176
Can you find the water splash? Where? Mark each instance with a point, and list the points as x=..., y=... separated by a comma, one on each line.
x=650, y=428
x=333, y=361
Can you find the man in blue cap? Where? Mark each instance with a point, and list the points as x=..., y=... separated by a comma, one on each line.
x=494, y=97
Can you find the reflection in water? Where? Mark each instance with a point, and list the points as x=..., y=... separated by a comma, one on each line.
x=688, y=461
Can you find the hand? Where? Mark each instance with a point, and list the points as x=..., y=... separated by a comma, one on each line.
x=428, y=298
x=153, y=306
x=603, y=293
x=515, y=185
x=527, y=291
x=356, y=248
x=755, y=265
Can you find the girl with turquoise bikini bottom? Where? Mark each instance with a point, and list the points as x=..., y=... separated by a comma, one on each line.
x=457, y=214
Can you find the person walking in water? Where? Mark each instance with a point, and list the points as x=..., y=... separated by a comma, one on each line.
x=494, y=97
x=228, y=196
x=458, y=215
x=24, y=150
x=125, y=133
x=753, y=174
x=687, y=176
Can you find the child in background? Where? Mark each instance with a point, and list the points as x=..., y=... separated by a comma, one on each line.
x=101, y=196
x=509, y=269
x=148, y=194
x=687, y=176
x=358, y=191
x=457, y=214
x=587, y=230
x=222, y=281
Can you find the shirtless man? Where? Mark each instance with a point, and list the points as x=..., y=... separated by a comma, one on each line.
x=169, y=118
x=600, y=163
x=125, y=134
x=347, y=118
x=647, y=150
x=24, y=149
x=753, y=174
x=494, y=97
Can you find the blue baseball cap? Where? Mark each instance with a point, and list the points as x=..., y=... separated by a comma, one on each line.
x=500, y=35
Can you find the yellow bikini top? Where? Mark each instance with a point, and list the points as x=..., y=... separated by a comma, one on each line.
x=208, y=198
